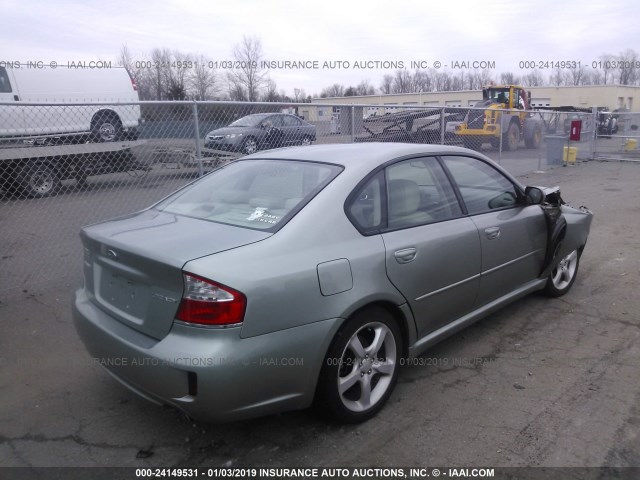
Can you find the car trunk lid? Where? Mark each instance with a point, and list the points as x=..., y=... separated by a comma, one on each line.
x=133, y=265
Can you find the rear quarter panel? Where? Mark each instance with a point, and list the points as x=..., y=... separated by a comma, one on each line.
x=279, y=275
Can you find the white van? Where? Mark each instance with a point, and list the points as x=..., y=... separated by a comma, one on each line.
x=21, y=83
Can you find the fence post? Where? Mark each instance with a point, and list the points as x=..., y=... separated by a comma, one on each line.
x=442, y=125
x=353, y=124
x=196, y=128
x=594, y=135
x=501, y=137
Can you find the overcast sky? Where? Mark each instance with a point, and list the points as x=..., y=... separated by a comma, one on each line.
x=491, y=30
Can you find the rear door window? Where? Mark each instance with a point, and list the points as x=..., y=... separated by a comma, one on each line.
x=5, y=84
x=418, y=192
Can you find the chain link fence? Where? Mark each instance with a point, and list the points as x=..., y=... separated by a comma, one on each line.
x=63, y=166
x=618, y=136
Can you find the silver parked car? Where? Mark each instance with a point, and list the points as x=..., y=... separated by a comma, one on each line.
x=261, y=131
x=308, y=273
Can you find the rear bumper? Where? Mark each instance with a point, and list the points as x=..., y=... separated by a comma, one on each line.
x=211, y=374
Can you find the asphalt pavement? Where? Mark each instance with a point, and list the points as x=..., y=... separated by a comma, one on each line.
x=543, y=382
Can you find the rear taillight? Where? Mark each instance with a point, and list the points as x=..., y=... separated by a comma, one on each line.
x=208, y=303
x=133, y=84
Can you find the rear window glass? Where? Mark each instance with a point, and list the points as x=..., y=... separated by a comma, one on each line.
x=257, y=194
x=5, y=85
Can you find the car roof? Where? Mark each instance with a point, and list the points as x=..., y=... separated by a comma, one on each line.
x=359, y=154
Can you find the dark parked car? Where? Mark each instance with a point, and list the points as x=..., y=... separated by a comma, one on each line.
x=311, y=273
x=261, y=131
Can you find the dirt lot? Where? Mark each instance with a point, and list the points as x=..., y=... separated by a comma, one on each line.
x=541, y=383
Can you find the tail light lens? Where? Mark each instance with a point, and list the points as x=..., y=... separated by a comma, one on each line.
x=208, y=303
x=133, y=83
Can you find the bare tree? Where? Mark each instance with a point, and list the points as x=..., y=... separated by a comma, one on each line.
x=365, y=88
x=509, y=78
x=271, y=92
x=596, y=77
x=606, y=67
x=236, y=92
x=299, y=95
x=577, y=75
x=203, y=79
x=250, y=76
x=402, y=82
x=442, y=81
x=533, y=79
x=485, y=77
x=627, y=73
x=422, y=81
x=125, y=59
x=160, y=73
x=138, y=75
x=457, y=81
x=387, y=84
x=335, y=90
x=557, y=78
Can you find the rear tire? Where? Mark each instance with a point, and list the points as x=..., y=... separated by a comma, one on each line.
x=533, y=139
x=106, y=127
x=39, y=180
x=361, y=367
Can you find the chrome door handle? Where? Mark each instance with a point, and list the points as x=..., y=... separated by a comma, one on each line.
x=405, y=255
x=492, y=232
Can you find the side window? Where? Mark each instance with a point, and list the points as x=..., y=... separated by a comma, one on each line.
x=5, y=85
x=276, y=120
x=483, y=188
x=289, y=121
x=365, y=207
x=418, y=192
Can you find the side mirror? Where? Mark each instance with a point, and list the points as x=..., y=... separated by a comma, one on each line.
x=534, y=195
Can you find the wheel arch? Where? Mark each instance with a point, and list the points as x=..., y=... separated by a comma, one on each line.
x=106, y=112
x=402, y=317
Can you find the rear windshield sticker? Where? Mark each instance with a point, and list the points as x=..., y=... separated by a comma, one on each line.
x=260, y=214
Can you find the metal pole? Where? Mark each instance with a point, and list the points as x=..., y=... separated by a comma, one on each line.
x=442, y=126
x=501, y=136
x=353, y=130
x=196, y=128
x=594, y=135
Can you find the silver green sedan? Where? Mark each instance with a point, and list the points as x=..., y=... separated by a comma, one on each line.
x=308, y=274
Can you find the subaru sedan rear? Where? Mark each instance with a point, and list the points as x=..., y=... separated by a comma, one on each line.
x=308, y=273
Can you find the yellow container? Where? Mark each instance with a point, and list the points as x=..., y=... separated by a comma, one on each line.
x=569, y=154
x=630, y=144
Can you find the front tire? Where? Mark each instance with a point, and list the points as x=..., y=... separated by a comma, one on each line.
x=511, y=138
x=563, y=276
x=306, y=140
x=361, y=366
x=249, y=146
